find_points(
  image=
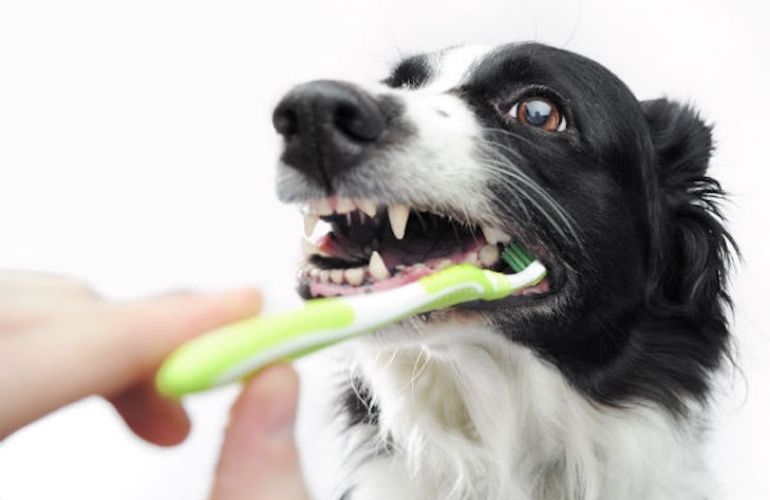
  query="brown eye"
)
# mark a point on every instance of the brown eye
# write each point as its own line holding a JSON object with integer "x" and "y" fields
{"x": 539, "y": 112}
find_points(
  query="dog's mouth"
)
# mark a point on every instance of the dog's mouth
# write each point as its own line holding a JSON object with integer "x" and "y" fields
{"x": 369, "y": 247}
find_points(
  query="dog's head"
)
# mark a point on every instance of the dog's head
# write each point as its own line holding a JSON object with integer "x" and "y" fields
{"x": 458, "y": 151}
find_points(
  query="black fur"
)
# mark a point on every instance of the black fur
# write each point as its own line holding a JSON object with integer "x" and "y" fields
{"x": 411, "y": 72}
{"x": 357, "y": 404}
{"x": 646, "y": 276}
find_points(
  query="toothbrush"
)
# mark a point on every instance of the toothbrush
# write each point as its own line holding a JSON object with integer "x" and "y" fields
{"x": 235, "y": 351}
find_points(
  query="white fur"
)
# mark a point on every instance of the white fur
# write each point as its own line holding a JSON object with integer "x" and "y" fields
{"x": 453, "y": 66}
{"x": 470, "y": 415}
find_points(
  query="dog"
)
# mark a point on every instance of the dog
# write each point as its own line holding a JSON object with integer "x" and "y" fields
{"x": 594, "y": 384}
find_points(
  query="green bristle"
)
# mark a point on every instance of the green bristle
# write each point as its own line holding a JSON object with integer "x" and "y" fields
{"x": 516, "y": 257}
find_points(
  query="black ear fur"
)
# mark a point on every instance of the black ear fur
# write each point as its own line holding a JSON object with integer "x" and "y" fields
{"x": 691, "y": 269}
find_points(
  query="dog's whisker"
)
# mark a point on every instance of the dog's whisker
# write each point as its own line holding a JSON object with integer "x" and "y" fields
{"x": 516, "y": 186}
{"x": 563, "y": 214}
{"x": 505, "y": 168}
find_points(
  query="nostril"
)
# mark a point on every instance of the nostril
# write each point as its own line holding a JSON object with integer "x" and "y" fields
{"x": 285, "y": 121}
{"x": 358, "y": 122}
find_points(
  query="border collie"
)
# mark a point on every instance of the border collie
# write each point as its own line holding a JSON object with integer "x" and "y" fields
{"x": 594, "y": 384}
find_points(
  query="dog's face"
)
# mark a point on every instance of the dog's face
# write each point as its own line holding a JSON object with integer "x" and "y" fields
{"x": 458, "y": 151}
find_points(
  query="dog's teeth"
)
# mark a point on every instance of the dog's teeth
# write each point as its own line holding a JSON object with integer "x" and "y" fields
{"x": 399, "y": 216}
{"x": 368, "y": 207}
{"x": 344, "y": 206}
{"x": 355, "y": 276}
{"x": 377, "y": 267}
{"x": 309, "y": 248}
{"x": 494, "y": 235}
{"x": 315, "y": 273}
{"x": 310, "y": 222}
{"x": 321, "y": 207}
{"x": 324, "y": 276}
{"x": 336, "y": 276}
{"x": 488, "y": 255}
{"x": 472, "y": 258}
{"x": 443, "y": 264}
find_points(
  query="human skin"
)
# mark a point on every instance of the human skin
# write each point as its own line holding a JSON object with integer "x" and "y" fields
{"x": 60, "y": 342}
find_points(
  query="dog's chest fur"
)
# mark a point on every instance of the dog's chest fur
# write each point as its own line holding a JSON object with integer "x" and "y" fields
{"x": 482, "y": 418}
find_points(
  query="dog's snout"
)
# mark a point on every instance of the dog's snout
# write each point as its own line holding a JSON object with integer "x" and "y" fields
{"x": 327, "y": 126}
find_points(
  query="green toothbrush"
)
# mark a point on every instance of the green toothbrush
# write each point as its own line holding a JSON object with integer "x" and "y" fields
{"x": 235, "y": 351}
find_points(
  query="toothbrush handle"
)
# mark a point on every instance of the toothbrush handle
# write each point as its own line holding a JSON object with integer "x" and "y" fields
{"x": 234, "y": 351}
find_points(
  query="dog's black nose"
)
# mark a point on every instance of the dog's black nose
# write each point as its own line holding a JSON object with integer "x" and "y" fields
{"x": 328, "y": 127}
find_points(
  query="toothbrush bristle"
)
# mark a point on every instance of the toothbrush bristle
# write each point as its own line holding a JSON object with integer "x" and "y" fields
{"x": 516, "y": 257}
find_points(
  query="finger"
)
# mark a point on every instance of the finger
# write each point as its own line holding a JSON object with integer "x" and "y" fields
{"x": 151, "y": 330}
{"x": 38, "y": 282}
{"x": 103, "y": 350}
{"x": 259, "y": 460}
{"x": 28, "y": 299}
{"x": 15, "y": 283}
{"x": 152, "y": 417}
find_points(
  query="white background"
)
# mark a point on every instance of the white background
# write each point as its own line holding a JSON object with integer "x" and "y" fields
{"x": 136, "y": 152}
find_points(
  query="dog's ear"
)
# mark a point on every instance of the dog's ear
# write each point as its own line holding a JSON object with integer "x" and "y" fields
{"x": 693, "y": 251}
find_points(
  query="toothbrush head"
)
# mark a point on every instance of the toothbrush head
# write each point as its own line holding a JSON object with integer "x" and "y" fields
{"x": 516, "y": 257}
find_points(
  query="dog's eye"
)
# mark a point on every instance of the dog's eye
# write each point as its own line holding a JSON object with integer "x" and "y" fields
{"x": 539, "y": 112}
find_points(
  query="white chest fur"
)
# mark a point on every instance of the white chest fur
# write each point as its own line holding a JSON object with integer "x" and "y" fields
{"x": 470, "y": 415}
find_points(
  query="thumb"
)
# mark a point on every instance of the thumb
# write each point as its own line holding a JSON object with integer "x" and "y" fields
{"x": 259, "y": 460}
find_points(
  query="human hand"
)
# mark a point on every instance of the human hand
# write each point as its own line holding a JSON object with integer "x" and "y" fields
{"x": 59, "y": 343}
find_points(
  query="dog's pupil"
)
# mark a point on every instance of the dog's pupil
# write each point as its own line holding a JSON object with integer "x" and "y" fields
{"x": 537, "y": 112}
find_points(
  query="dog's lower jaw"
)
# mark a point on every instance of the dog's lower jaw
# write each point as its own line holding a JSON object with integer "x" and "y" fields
{"x": 478, "y": 417}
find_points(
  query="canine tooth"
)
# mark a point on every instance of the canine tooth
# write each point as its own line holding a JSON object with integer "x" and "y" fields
{"x": 324, "y": 276}
{"x": 322, "y": 207}
{"x": 494, "y": 235}
{"x": 443, "y": 264}
{"x": 472, "y": 258}
{"x": 488, "y": 255}
{"x": 336, "y": 276}
{"x": 354, "y": 276}
{"x": 310, "y": 222}
{"x": 315, "y": 273}
{"x": 399, "y": 216}
{"x": 345, "y": 205}
{"x": 368, "y": 207}
{"x": 377, "y": 267}
{"x": 309, "y": 248}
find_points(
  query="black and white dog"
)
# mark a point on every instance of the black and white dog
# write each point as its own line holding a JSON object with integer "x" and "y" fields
{"x": 594, "y": 384}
